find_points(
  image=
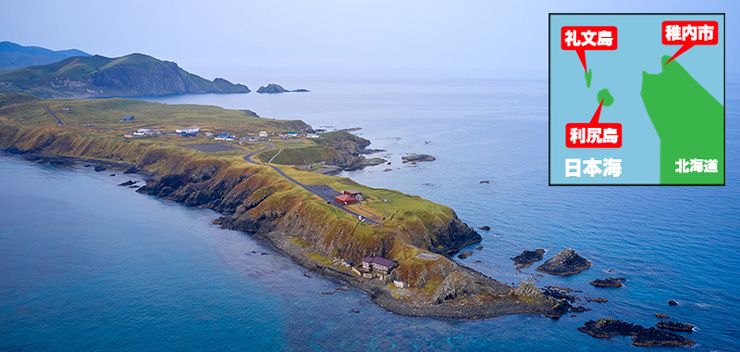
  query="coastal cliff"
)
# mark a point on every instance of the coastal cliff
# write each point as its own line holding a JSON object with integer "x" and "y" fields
{"x": 416, "y": 233}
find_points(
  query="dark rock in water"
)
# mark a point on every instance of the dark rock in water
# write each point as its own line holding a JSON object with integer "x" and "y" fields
{"x": 88, "y": 165}
{"x": 566, "y": 262}
{"x": 273, "y": 88}
{"x": 464, "y": 255}
{"x": 355, "y": 310}
{"x": 597, "y": 300}
{"x": 485, "y": 228}
{"x": 128, "y": 183}
{"x": 485, "y": 181}
{"x": 112, "y": 175}
{"x": 606, "y": 328}
{"x": 304, "y": 274}
{"x": 327, "y": 293}
{"x": 134, "y": 186}
{"x": 557, "y": 293}
{"x": 478, "y": 261}
{"x": 479, "y": 248}
{"x": 342, "y": 288}
{"x": 131, "y": 170}
{"x": 661, "y": 316}
{"x": 608, "y": 282}
{"x": 526, "y": 259}
{"x": 412, "y": 158}
{"x": 675, "y": 326}
{"x": 672, "y": 302}
{"x": 99, "y": 168}
{"x": 656, "y": 337}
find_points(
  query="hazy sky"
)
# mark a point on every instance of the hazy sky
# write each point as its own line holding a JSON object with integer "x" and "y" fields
{"x": 316, "y": 34}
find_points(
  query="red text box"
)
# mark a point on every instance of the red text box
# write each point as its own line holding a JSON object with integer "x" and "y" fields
{"x": 593, "y": 135}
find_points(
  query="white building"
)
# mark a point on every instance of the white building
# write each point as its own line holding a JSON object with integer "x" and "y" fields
{"x": 193, "y": 129}
{"x": 263, "y": 133}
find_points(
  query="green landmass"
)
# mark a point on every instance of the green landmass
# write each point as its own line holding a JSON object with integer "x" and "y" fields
{"x": 98, "y": 76}
{"x": 14, "y": 56}
{"x": 604, "y": 94}
{"x": 589, "y": 74}
{"x": 688, "y": 120}
{"x": 255, "y": 197}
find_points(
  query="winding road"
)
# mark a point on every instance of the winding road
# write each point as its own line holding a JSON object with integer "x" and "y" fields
{"x": 321, "y": 191}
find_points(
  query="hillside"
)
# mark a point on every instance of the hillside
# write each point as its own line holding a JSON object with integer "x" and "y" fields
{"x": 14, "y": 56}
{"x": 98, "y": 76}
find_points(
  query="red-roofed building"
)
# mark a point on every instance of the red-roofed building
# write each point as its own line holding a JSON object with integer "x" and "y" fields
{"x": 354, "y": 194}
{"x": 345, "y": 199}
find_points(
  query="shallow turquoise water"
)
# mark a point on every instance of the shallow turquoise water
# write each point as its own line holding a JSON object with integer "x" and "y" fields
{"x": 88, "y": 265}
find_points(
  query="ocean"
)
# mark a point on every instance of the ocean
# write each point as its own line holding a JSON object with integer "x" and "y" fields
{"x": 87, "y": 265}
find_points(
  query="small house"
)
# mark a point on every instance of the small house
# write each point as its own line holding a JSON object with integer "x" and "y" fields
{"x": 347, "y": 263}
{"x": 209, "y": 134}
{"x": 263, "y": 133}
{"x": 292, "y": 134}
{"x": 127, "y": 118}
{"x": 345, "y": 199}
{"x": 222, "y": 136}
{"x": 312, "y": 135}
{"x": 399, "y": 284}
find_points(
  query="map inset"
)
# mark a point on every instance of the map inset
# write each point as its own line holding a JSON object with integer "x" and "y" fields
{"x": 650, "y": 110}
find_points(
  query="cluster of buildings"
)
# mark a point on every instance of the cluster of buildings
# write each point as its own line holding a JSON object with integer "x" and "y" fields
{"x": 194, "y": 130}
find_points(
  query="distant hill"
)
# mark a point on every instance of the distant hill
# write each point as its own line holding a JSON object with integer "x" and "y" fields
{"x": 14, "y": 56}
{"x": 98, "y": 76}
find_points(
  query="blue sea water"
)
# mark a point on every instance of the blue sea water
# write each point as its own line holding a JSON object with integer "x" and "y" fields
{"x": 86, "y": 265}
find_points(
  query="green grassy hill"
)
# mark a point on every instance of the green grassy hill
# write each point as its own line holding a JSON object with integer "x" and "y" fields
{"x": 98, "y": 76}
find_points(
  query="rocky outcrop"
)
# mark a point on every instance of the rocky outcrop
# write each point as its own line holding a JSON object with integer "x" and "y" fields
{"x": 273, "y": 88}
{"x": 642, "y": 337}
{"x": 527, "y": 258}
{"x": 455, "y": 285}
{"x": 675, "y": 326}
{"x": 608, "y": 282}
{"x": 566, "y": 262}
{"x": 528, "y": 290}
{"x": 656, "y": 337}
{"x": 413, "y": 158}
{"x": 606, "y": 328}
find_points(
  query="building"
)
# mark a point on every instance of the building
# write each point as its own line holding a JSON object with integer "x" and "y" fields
{"x": 209, "y": 134}
{"x": 189, "y": 130}
{"x": 399, "y": 284}
{"x": 127, "y": 118}
{"x": 263, "y": 133}
{"x": 142, "y": 132}
{"x": 312, "y": 135}
{"x": 292, "y": 134}
{"x": 354, "y": 194}
{"x": 379, "y": 264}
{"x": 224, "y": 137}
{"x": 345, "y": 199}
{"x": 347, "y": 263}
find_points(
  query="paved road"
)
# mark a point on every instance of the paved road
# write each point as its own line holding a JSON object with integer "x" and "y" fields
{"x": 53, "y": 114}
{"x": 322, "y": 191}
